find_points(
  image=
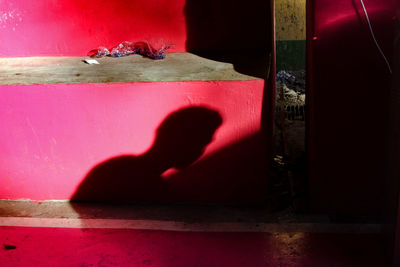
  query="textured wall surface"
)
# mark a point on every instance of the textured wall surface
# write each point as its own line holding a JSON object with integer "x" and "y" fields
{"x": 290, "y": 19}
{"x": 74, "y": 27}
{"x": 57, "y": 133}
{"x": 290, "y": 34}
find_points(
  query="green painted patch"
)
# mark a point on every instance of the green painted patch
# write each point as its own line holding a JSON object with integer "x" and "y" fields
{"x": 291, "y": 55}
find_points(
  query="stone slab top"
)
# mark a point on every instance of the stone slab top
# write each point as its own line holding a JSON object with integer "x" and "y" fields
{"x": 130, "y": 69}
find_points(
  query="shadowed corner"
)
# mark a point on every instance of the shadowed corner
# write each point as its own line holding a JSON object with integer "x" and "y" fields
{"x": 231, "y": 31}
{"x": 180, "y": 140}
{"x": 240, "y": 33}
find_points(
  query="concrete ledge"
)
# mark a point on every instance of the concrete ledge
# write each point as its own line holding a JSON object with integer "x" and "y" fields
{"x": 193, "y": 218}
{"x": 191, "y": 227}
{"x": 193, "y": 213}
{"x": 135, "y": 68}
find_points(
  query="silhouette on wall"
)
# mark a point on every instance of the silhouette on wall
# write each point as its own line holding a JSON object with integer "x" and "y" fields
{"x": 180, "y": 140}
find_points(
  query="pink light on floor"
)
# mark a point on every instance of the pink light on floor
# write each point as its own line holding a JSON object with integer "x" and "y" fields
{"x": 122, "y": 247}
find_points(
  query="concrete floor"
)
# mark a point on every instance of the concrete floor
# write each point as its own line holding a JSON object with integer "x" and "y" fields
{"x": 127, "y": 247}
{"x": 60, "y": 234}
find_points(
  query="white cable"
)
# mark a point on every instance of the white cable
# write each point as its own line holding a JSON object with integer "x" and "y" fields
{"x": 373, "y": 36}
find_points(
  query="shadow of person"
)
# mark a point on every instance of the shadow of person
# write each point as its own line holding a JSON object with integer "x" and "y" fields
{"x": 180, "y": 140}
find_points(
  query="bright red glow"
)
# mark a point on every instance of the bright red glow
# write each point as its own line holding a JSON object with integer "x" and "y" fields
{"x": 56, "y": 133}
{"x": 73, "y": 27}
{"x": 334, "y": 15}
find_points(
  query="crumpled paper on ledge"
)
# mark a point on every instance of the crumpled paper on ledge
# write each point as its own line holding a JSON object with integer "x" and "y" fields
{"x": 126, "y": 48}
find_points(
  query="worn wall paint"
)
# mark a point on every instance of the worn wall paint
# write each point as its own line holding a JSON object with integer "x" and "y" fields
{"x": 290, "y": 19}
{"x": 55, "y": 134}
{"x": 290, "y": 34}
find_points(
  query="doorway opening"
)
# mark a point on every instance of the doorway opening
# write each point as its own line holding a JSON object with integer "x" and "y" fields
{"x": 289, "y": 180}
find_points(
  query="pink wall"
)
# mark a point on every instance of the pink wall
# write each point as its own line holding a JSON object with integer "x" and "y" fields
{"x": 53, "y": 135}
{"x": 348, "y": 100}
{"x": 74, "y": 27}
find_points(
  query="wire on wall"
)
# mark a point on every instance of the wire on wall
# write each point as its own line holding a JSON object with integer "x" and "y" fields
{"x": 373, "y": 36}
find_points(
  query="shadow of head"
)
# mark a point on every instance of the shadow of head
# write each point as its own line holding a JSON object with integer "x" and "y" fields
{"x": 180, "y": 140}
{"x": 184, "y": 134}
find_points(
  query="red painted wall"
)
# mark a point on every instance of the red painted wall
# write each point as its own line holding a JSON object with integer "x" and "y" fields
{"x": 53, "y": 135}
{"x": 349, "y": 85}
{"x": 56, "y": 134}
{"x": 74, "y": 27}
